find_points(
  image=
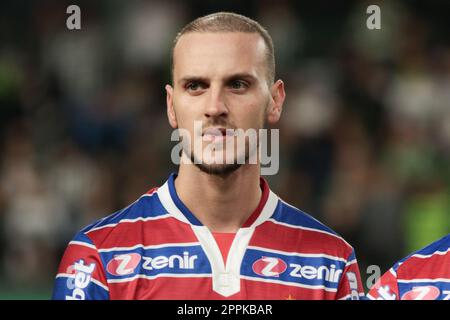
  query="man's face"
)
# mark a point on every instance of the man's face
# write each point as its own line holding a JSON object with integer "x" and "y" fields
{"x": 220, "y": 81}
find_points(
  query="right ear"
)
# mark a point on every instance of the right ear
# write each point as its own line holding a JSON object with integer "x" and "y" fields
{"x": 170, "y": 110}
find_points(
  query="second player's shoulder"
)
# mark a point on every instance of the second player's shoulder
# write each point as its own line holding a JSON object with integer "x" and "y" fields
{"x": 440, "y": 247}
{"x": 424, "y": 274}
{"x": 422, "y": 262}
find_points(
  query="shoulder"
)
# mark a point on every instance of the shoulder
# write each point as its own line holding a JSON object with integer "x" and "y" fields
{"x": 423, "y": 260}
{"x": 145, "y": 208}
{"x": 311, "y": 230}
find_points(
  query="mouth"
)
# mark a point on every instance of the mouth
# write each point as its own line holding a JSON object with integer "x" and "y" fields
{"x": 217, "y": 133}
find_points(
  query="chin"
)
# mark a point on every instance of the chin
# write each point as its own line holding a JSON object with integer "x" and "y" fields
{"x": 222, "y": 170}
{"x": 215, "y": 167}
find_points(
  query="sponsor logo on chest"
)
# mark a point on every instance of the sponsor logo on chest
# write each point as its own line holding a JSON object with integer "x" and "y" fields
{"x": 273, "y": 267}
{"x": 126, "y": 264}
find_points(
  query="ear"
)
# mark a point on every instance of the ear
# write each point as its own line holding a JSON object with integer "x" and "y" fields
{"x": 276, "y": 102}
{"x": 170, "y": 109}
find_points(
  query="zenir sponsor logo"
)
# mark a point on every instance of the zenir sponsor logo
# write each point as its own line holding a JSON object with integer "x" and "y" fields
{"x": 274, "y": 267}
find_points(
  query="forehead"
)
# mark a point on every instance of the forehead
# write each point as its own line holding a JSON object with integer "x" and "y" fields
{"x": 211, "y": 54}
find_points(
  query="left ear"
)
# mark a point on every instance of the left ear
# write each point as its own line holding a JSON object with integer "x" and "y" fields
{"x": 276, "y": 102}
{"x": 170, "y": 109}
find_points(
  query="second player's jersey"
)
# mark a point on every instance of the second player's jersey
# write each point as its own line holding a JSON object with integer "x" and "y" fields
{"x": 423, "y": 275}
{"x": 157, "y": 249}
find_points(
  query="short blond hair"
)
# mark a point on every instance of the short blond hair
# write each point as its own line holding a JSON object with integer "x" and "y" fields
{"x": 231, "y": 22}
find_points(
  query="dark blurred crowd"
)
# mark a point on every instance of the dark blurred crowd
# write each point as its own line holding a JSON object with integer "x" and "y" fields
{"x": 364, "y": 136}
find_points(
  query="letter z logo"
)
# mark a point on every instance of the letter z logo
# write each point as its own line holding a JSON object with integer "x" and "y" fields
{"x": 123, "y": 264}
{"x": 269, "y": 266}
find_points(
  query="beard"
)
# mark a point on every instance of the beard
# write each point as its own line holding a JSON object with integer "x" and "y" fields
{"x": 217, "y": 169}
{"x": 223, "y": 169}
{"x": 226, "y": 161}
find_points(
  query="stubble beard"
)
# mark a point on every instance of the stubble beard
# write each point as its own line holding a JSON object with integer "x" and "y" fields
{"x": 222, "y": 170}
{"x": 216, "y": 169}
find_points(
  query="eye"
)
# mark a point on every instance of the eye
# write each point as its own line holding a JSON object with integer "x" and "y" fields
{"x": 192, "y": 86}
{"x": 195, "y": 86}
{"x": 238, "y": 85}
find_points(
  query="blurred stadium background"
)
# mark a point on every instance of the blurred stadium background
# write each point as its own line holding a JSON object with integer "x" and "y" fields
{"x": 365, "y": 135}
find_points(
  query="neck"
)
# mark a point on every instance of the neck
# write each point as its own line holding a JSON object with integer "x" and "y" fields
{"x": 222, "y": 204}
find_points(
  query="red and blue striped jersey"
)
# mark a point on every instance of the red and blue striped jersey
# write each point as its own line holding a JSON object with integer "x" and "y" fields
{"x": 423, "y": 275}
{"x": 157, "y": 249}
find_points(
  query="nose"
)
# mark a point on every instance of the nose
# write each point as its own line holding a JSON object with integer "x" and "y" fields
{"x": 216, "y": 106}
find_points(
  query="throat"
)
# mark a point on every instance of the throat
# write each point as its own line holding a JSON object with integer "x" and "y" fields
{"x": 222, "y": 205}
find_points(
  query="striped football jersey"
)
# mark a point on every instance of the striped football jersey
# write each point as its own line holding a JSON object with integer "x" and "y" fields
{"x": 423, "y": 275}
{"x": 157, "y": 249}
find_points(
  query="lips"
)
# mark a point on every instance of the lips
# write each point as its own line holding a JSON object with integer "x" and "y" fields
{"x": 215, "y": 133}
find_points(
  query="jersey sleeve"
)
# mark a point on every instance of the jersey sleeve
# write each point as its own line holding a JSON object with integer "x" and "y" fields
{"x": 81, "y": 273}
{"x": 386, "y": 288}
{"x": 350, "y": 285}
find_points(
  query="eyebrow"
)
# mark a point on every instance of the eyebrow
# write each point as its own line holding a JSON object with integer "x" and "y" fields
{"x": 243, "y": 75}
{"x": 192, "y": 79}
